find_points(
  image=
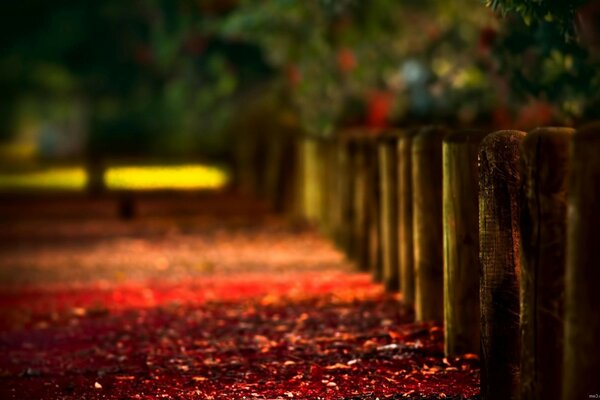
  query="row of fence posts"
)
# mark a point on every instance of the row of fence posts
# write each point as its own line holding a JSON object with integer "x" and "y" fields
{"x": 492, "y": 233}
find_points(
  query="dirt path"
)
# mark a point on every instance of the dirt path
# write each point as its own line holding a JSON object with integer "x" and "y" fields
{"x": 200, "y": 296}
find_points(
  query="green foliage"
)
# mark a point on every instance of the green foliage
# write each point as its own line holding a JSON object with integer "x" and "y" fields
{"x": 341, "y": 56}
{"x": 539, "y": 64}
{"x": 559, "y": 12}
{"x": 151, "y": 77}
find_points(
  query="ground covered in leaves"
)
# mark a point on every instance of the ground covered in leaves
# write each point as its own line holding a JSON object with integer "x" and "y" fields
{"x": 200, "y": 297}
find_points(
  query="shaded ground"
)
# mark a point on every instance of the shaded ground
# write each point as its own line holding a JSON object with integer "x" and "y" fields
{"x": 200, "y": 296}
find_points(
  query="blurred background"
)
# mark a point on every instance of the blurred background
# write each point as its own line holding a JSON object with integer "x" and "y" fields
{"x": 163, "y": 93}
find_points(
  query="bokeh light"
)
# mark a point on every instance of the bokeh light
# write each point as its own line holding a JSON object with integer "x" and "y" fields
{"x": 182, "y": 177}
{"x": 74, "y": 178}
{"x": 54, "y": 179}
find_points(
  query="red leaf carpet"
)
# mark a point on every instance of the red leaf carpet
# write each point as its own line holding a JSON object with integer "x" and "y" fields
{"x": 201, "y": 297}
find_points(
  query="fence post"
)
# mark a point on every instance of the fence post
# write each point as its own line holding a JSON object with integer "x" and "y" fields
{"x": 279, "y": 173}
{"x": 346, "y": 155}
{"x": 582, "y": 301}
{"x": 388, "y": 167}
{"x": 374, "y": 256}
{"x": 499, "y": 187}
{"x": 543, "y": 237}
{"x": 337, "y": 186}
{"x": 461, "y": 241}
{"x": 361, "y": 184}
{"x": 405, "y": 217}
{"x": 312, "y": 195}
{"x": 427, "y": 224}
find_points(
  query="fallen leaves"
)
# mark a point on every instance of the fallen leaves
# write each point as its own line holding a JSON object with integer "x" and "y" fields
{"x": 292, "y": 322}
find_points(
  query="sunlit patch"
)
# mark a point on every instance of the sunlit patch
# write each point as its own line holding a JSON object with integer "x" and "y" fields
{"x": 184, "y": 177}
{"x": 58, "y": 178}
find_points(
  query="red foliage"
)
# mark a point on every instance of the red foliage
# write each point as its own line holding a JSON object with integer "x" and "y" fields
{"x": 143, "y": 55}
{"x": 346, "y": 60}
{"x": 293, "y": 75}
{"x": 379, "y": 108}
{"x": 487, "y": 37}
{"x": 195, "y": 44}
{"x": 283, "y": 330}
{"x": 535, "y": 114}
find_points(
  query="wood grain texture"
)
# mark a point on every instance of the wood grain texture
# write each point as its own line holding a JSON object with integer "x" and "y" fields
{"x": 361, "y": 210}
{"x": 461, "y": 241}
{"x": 582, "y": 301}
{"x": 375, "y": 251}
{"x": 499, "y": 187}
{"x": 387, "y": 156}
{"x": 427, "y": 223}
{"x": 405, "y": 217}
{"x": 543, "y": 252}
{"x": 346, "y": 176}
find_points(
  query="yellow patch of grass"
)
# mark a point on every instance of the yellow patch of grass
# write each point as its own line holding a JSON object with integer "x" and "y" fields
{"x": 182, "y": 177}
{"x": 57, "y": 178}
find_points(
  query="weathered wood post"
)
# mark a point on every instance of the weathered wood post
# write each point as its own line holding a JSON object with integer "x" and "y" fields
{"x": 360, "y": 235}
{"x": 327, "y": 185}
{"x": 461, "y": 241}
{"x": 543, "y": 251}
{"x": 499, "y": 188}
{"x": 427, "y": 223}
{"x": 273, "y": 153}
{"x": 405, "y": 217}
{"x": 336, "y": 189}
{"x": 375, "y": 258}
{"x": 280, "y": 170}
{"x": 388, "y": 167}
{"x": 582, "y": 302}
{"x": 311, "y": 197}
{"x": 346, "y": 182}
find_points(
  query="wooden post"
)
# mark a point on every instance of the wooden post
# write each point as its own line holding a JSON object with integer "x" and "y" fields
{"x": 335, "y": 187}
{"x": 374, "y": 200}
{"x": 311, "y": 198}
{"x": 461, "y": 241}
{"x": 405, "y": 217}
{"x": 543, "y": 249}
{"x": 346, "y": 154}
{"x": 325, "y": 179}
{"x": 289, "y": 166}
{"x": 280, "y": 171}
{"x": 360, "y": 228}
{"x": 582, "y": 301}
{"x": 499, "y": 187}
{"x": 427, "y": 223}
{"x": 388, "y": 167}
{"x": 341, "y": 187}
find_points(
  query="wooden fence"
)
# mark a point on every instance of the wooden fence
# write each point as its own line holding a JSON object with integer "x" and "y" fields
{"x": 491, "y": 233}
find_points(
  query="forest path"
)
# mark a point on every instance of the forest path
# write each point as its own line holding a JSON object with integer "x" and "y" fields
{"x": 204, "y": 296}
